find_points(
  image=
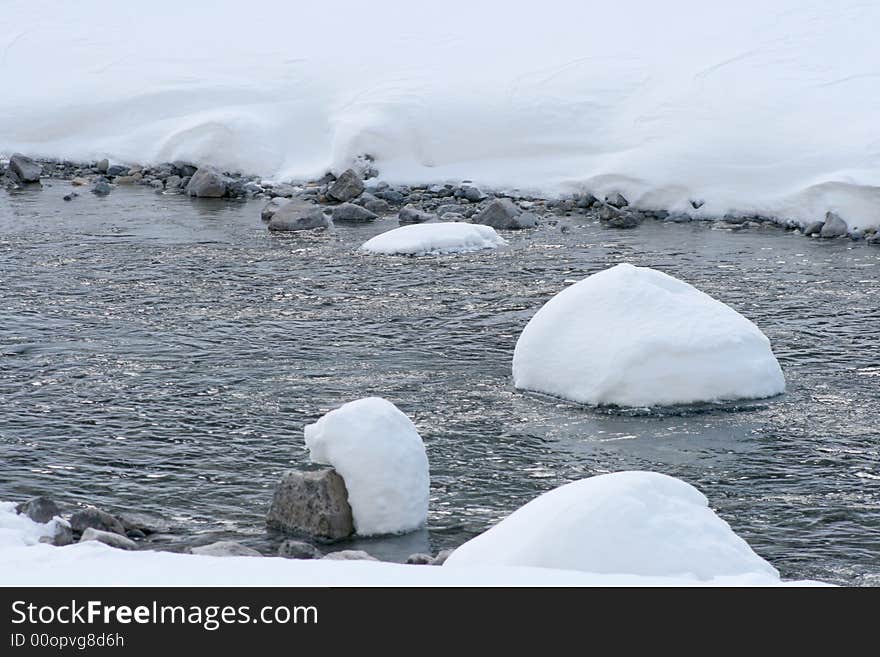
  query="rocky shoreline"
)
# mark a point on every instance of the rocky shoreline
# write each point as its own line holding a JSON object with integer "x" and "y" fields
{"x": 358, "y": 195}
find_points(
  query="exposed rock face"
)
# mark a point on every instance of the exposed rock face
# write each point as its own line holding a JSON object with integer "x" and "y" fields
{"x": 350, "y": 555}
{"x": 412, "y": 215}
{"x": 291, "y": 549}
{"x": 225, "y": 549}
{"x": 93, "y": 518}
{"x": 504, "y": 214}
{"x": 313, "y": 502}
{"x": 834, "y": 226}
{"x": 352, "y": 212}
{"x": 207, "y": 182}
{"x": 616, "y": 200}
{"x": 348, "y": 186}
{"x": 25, "y": 169}
{"x": 39, "y": 509}
{"x": 108, "y": 538}
{"x": 293, "y": 216}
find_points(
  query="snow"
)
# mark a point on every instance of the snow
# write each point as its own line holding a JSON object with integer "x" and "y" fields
{"x": 377, "y": 450}
{"x": 641, "y": 523}
{"x": 23, "y": 562}
{"x": 634, "y": 336}
{"x": 434, "y": 239}
{"x": 664, "y": 102}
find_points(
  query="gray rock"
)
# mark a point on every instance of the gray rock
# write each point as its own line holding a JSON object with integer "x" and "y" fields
{"x": 441, "y": 557}
{"x": 62, "y": 536}
{"x": 873, "y": 239}
{"x": 173, "y": 182}
{"x": 291, "y": 549}
{"x": 617, "y": 200}
{"x": 504, "y": 214}
{"x": 184, "y": 169}
{"x": 39, "y": 509}
{"x": 225, "y": 549}
{"x": 449, "y": 207}
{"x": 94, "y": 518}
{"x": 391, "y": 195}
{"x": 293, "y": 216}
{"x": 313, "y": 502}
{"x": 419, "y": 559}
{"x": 70, "y": 196}
{"x": 108, "y": 538}
{"x": 147, "y": 524}
{"x": 103, "y": 165}
{"x": 272, "y": 207}
{"x": 207, "y": 182}
{"x": 412, "y": 215}
{"x": 101, "y": 188}
{"x": 117, "y": 170}
{"x": 346, "y": 187}
{"x": 350, "y": 555}
{"x": 470, "y": 194}
{"x": 157, "y": 184}
{"x": 451, "y": 217}
{"x": 25, "y": 169}
{"x": 352, "y": 212}
{"x": 284, "y": 190}
{"x": 615, "y": 218}
{"x": 834, "y": 226}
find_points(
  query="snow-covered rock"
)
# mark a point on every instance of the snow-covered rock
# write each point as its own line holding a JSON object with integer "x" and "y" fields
{"x": 380, "y": 455}
{"x": 642, "y": 523}
{"x": 434, "y": 239}
{"x": 634, "y": 336}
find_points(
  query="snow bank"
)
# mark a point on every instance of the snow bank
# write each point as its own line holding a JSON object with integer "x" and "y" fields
{"x": 643, "y": 523}
{"x": 381, "y": 457}
{"x": 435, "y": 239}
{"x": 634, "y": 336}
{"x": 753, "y": 106}
{"x": 93, "y": 564}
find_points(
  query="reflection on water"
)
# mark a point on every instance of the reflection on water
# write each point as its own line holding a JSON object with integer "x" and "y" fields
{"x": 163, "y": 354}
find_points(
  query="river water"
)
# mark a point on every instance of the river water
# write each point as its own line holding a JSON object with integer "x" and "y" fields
{"x": 162, "y": 354}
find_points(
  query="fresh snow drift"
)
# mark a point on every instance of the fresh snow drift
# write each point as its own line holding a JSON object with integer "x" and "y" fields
{"x": 378, "y": 452}
{"x": 776, "y": 116}
{"x": 434, "y": 239}
{"x": 634, "y": 336}
{"x": 644, "y": 523}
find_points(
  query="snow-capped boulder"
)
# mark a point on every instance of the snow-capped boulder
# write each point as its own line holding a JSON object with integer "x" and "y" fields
{"x": 634, "y": 336}
{"x": 640, "y": 523}
{"x": 434, "y": 239}
{"x": 380, "y": 455}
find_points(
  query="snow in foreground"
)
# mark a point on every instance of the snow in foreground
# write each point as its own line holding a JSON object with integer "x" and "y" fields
{"x": 434, "y": 239}
{"x": 634, "y": 336}
{"x": 664, "y": 102}
{"x": 643, "y": 523}
{"x": 378, "y": 452}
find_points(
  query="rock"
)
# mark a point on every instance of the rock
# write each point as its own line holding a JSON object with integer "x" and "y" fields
{"x": 62, "y": 536}
{"x": 130, "y": 180}
{"x": 615, "y": 218}
{"x": 157, "y": 184}
{"x": 313, "y": 502}
{"x": 448, "y": 217}
{"x": 272, "y": 207}
{"x": 616, "y": 200}
{"x": 350, "y": 555}
{"x": 412, "y": 215}
{"x": 225, "y": 549}
{"x": 79, "y": 182}
{"x": 207, "y": 182}
{"x": 291, "y": 549}
{"x": 352, "y": 212}
{"x": 117, "y": 170}
{"x": 94, "y": 518}
{"x": 284, "y": 190}
{"x": 873, "y": 239}
{"x": 391, "y": 196}
{"x": 184, "y": 169}
{"x": 25, "y": 169}
{"x": 441, "y": 557}
{"x": 39, "y": 509}
{"x": 293, "y": 216}
{"x": 70, "y": 196}
{"x": 146, "y": 524}
{"x": 173, "y": 182}
{"x": 348, "y": 186}
{"x": 419, "y": 559}
{"x": 373, "y": 204}
{"x": 101, "y": 188}
{"x": 108, "y": 538}
{"x": 503, "y": 213}
{"x": 834, "y": 226}
{"x": 103, "y": 165}
{"x": 470, "y": 194}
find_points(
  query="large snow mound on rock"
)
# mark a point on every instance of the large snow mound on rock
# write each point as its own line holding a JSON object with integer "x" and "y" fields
{"x": 634, "y": 336}
{"x": 380, "y": 455}
{"x": 642, "y": 523}
{"x": 434, "y": 239}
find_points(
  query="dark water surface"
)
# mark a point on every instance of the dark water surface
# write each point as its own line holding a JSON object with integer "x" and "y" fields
{"x": 163, "y": 354}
